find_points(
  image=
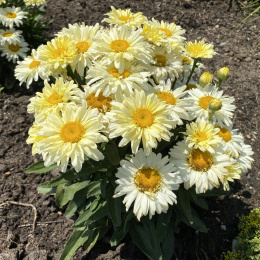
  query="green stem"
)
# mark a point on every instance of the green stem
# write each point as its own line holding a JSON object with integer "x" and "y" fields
{"x": 219, "y": 83}
{"x": 192, "y": 70}
{"x": 211, "y": 113}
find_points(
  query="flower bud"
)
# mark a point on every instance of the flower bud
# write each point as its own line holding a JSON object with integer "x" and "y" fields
{"x": 223, "y": 73}
{"x": 205, "y": 78}
{"x": 215, "y": 104}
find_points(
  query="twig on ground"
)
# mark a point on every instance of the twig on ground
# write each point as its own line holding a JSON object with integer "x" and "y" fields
{"x": 41, "y": 224}
{"x": 25, "y": 205}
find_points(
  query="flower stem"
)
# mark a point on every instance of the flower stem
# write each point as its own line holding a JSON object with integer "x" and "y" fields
{"x": 219, "y": 83}
{"x": 192, "y": 70}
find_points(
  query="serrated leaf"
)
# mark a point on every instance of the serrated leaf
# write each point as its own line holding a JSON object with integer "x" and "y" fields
{"x": 40, "y": 168}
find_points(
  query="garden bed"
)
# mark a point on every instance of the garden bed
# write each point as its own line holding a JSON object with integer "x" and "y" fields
{"x": 207, "y": 20}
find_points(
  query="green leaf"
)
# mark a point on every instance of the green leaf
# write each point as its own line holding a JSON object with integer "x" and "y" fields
{"x": 183, "y": 196}
{"x": 92, "y": 214}
{"x": 40, "y": 168}
{"x": 162, "y": 224}
{"x": 144, "y": 237}
{"x": 94, "y": 189}
{"x": 111, "y": 153}
{"x": 77, "y": 239}
{"x": 168, "y": 242}
{"x": 198, "y": 200}
{"x": 66, "y": 193}
{"x": 114, "y": 206}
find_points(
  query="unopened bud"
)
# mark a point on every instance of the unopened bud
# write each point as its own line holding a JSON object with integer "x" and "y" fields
{"x": 205, "y": 78}
{"x": 223, "y": 73}
{"x": 215, "y": 104}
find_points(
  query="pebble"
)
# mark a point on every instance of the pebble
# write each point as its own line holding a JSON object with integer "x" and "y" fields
{"x": 223, "y": 227}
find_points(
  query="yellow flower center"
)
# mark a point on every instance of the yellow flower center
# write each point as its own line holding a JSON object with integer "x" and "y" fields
{"x": 72, "y": 132}
{"x": 34, "y": 64}
{"x": 59, "y": 53}
{"x": 167, "y": 31}
{"x": 190, "y": 86}
{"x": 14, "y": 48}
{"x": 143, "y": 117}
{"x": 225, "y": 134}
{"x": 11, "y": 15}
{"x": 186, "y": 60}
{"x": 201, "y": 136}
{"x": 82, "y": 46}
{"x": 167, "y": 97}
{"x": 148, "y": 179}
{"x": 125, "y": 18}
{"x": 54, "y": 99}
{"x": 8, "y": 34}
{"x": 114, "y": 72}
{"x": 100, "y": 102}
{"x": 160, "y": 60}
{"x": 200, "y": 161}
{"x": 204, "y": 102}
{"x": 119, "y": 45}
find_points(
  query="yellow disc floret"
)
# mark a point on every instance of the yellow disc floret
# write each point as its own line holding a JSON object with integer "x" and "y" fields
{"x": 11, "y": 15}
{"x": 125, "y": 18}
{"x": 54, "y": 99}
{"x": 82, "y": 46}
{"x": 8, "y": 34}
{"x": 14, "y": 48}
{"x": 204, "y": 102}
{"x": 225, "y": 134}
{"x": 119, "y": 45}
{"x": 200, "y": 161}
{"x": 34, "y": 64}
{"x": 100, "y": 102}
{"x": 143, "y": 117}
{"x": 161, "y": 60}
{"x": 114, "y": 72}
{"x": 167, "y": 97}
{"x": 167, "y": 31}
{"x": 72, "y": 132}
{"x": 201, "y": 136}
{"x": 148, "y": 180}
{"x": 59, "y": 53}
{"x": 186, "y": 60}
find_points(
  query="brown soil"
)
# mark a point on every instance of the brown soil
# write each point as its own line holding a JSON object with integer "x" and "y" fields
{"x": 201, "y": 19}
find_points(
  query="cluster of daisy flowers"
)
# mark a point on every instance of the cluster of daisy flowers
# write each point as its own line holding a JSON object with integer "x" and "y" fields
{"x": 140, "y": 90}
{"x": 12, "y": 43}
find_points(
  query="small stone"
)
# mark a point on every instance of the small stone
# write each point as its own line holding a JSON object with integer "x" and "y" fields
{"x": 7, "y": 173}
{"x": 223, "y": 227}
{"x": 60, "y": 213}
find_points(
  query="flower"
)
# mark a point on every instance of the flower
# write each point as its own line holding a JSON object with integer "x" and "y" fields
{"x": 34, "y": 2}
{"x": 205, "y": 79}
{"x": 52, "y": 98}
{"x": 200, "y": 98}
{"x": 82, "y": 36}
{"x": 199, "y": 50}
{"x": 12, "y": 15}
{"x": 107, "y": 78}
{"x": 202, "y": 169}
{"x": 173, "y": 98}
{"x": 147, "y": 181}
{"x": 12, "y": 52}
{"x": 202, "y": 135}
{"x": 165, "y": 65}
{"x": 223, "y": 73}
{"x": 244, "y": 158}
{"x": 234, "y": 172}
{"x": 10, "y": 36}
{"x": 58, "y": 53}
{"x": 30, "y": 69}
{"x": 71, "y": 135}
{"x": 122, "y": 17}
{"x": 123, "y": 44}
{"x": 140, "y": 118}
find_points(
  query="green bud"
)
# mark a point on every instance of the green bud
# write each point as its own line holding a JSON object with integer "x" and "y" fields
{"x": 205, "y": 78}
{"x": 223, "y": 73}
{"x": 215, "y": 104}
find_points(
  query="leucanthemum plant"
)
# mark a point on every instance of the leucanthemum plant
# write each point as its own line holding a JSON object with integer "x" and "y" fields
{"x": 21, "y": 31}
{"x": 139, "y": 133}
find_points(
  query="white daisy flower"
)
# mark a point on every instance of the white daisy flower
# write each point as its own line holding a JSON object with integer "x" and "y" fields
{"x": 200, "y": 98}
{"x": 82, "y": 37}
{"x": 122, "y": 17}
{"x": 13, "y": 52}
{"x": 34, "y": 2}
{"x": 234, "y": 173}
{"x": 107, "y": 78}
{"x": 147, "y": 181}
{"x": 172, "y": 31}
{"x": 2, "y": 2}
{"x": 202, "y": 135}
{"x": 71, "y": 135}
{"x": 173, "y": 98}
{"x": 165, "y": 65}
{"x": 10, "y": 36}
{"x": 52, "y": 98}
{"x": 231, "y": 139}
{"x": 140, "y": 118}
{"x": 244, "y": 159}
{"x": 123, "y": 44}
{"x": 12, "y": 15}
{"x": 30, "y": 69}
{"x": 202, "y": 169}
